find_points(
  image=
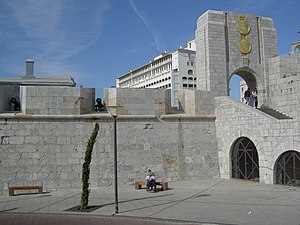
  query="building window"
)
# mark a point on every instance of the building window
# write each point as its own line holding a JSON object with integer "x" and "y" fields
{"x": 192, "y": 63}
{"x": 184, "y": 78}
{"x": 188, "y": 63}
{"x": 190, "y": 78}
{"x": 191, "y": 85}
{"x": 190, "y": 72}
{"x": 184, "y": 85}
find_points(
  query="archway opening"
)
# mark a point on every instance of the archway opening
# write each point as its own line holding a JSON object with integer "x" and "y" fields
{"x": 239, "y": 82}
{"x": 236, "y": 87}
{"x": 287, "y": 169}
{"x": 244, "y": 160}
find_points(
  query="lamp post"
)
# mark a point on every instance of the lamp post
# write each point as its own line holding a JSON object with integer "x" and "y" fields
{"x": 116, "y": 164}
{"x": 114, "y": 115}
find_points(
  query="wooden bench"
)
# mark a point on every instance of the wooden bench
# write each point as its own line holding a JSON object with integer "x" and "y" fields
{"x": 11, "y": 190}
{"x": 141, "y": 184}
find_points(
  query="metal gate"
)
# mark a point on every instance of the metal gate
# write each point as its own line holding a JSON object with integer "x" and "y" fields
{"x": 244, "y": 160}
{"x": 287, "y": 169}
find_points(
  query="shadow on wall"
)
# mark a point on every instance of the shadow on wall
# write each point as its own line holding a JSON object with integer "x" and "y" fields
{"x": 10, "y": 98}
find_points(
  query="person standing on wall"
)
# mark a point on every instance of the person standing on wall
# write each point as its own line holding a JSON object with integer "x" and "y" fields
{"x": 247, "y": 96}
{"x": 254, "y": 96}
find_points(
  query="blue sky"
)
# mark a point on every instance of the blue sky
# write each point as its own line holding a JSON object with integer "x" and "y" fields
{"x": 95, "y": 41}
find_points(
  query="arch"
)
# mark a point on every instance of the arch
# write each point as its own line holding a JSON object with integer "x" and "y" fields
{"x": 228, "y": 141}
{"x": 242, "y": 79}
{"x": 249, "y": 76}
{"x": 244, "y": 160}
{"x": 287, "y": 169}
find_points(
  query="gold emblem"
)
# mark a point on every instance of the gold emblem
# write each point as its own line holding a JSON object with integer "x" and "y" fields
{"x": 244, "y": 45}
{"x": 243, "y": 26}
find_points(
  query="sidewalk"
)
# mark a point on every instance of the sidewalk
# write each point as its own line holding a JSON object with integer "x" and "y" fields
{"x": 192, "y": 202}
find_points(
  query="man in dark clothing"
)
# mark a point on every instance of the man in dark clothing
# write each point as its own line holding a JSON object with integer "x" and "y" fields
{"x": 247, "y": 96}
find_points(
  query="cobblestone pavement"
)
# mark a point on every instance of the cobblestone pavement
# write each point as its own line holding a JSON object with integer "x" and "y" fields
{"x": 193, "y": 202}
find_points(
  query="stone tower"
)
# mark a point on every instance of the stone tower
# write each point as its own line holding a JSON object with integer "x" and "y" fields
{"x": 233, "y": 43}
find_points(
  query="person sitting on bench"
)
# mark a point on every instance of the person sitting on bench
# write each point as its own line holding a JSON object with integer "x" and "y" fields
{"x": 150, "y": 181}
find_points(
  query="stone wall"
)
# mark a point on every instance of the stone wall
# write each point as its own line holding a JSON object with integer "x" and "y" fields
{"x": 219, "y": 57}
{"x": 49, "y": 150}
{"x": 128, "y": 101}
{"x": 198, "y": 102}
{"x": 284, "y": 88}
{"x": 49, "y": 100}
{"x": 271, "y": 136}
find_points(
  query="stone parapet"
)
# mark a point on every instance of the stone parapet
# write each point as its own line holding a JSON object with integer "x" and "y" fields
{"x": 122, "y": 101}
{"x": 57, "y": 100}
{"x": 198, "y": 102}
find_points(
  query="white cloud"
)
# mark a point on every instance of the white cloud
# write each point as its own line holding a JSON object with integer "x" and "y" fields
{"x": 50, "y": 32}
{"x": 58, "y": 28}
{"x": 37, "y": 18}
{"x": 155, "y": 33}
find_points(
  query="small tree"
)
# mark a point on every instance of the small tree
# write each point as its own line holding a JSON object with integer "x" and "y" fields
{"x": 86, "y": 169}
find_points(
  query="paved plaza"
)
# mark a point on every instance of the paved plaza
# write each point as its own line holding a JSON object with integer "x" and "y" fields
{"x": 192, "y": 202}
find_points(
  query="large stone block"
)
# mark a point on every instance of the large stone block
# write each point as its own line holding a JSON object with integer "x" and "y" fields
{"x": 57, "y": 100}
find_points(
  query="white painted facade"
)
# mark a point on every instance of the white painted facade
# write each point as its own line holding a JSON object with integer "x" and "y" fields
{"x": 173, "y": 71}
{"x": 243, "y": 88}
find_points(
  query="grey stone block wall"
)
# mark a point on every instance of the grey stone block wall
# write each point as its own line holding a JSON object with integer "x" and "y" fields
{"x": 50, "y": 151}
{"x": 122, "y": 101}
{"x": 218, "y": 55}
{"x": 47, "y": 100}
{"x": 284, "y": 88}
{"x": 271, "y": 136}
{"x": 210, "y": 48}
{"x": 196, "y": 102}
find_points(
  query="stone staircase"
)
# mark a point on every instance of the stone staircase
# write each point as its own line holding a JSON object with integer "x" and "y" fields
{"x": 274, "y": 113}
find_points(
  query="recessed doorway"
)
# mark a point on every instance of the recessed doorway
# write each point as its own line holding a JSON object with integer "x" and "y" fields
{"x": 244, "y": 160}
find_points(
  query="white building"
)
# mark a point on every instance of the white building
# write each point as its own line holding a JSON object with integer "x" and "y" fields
{"x": 173, "y": 71}
{"x": 243, "y": 88}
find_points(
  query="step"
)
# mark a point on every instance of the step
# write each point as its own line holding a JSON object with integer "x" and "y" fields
{"x": 273, "y": 113}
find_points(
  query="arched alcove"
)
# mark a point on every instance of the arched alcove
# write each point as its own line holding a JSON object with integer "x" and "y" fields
{"x": 244, "y": 160}
{"x": 287, "y": 169}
